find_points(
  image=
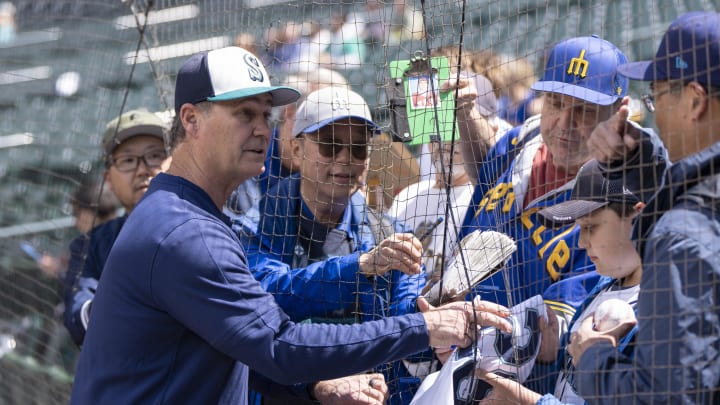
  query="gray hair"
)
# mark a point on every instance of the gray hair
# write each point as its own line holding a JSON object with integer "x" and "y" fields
{"x": 177, "y": 130}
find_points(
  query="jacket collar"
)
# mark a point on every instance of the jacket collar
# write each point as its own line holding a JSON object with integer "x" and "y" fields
{"x": 278, "y": 228}
{"x": 678, "y": 179}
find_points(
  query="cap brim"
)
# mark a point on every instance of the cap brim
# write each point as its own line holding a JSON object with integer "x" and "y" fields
{"x": 281, "y": 95}
{"x": 572, "y": 90}
{"x": 124, "y": 135}
{"x": 567, "y": 212}
{"x": 638, "y": 70}
{"x": 314, "y": 128}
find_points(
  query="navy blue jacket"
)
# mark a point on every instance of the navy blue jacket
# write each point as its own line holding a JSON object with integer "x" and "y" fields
{"x": 678, "y": 339}
{"x": 178, "y": 307}
{"x": 87, "y": 259}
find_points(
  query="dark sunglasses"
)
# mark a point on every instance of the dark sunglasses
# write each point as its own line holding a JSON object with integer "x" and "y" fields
{"x": 329, "y": 148}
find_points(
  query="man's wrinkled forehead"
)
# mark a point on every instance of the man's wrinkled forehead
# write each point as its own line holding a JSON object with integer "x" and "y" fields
{"x": 339, "y": 131}
{"x": 566, "y": 101}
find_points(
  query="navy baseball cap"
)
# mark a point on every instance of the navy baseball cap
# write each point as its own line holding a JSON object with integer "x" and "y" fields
{"x": 226, "y": 74}
{"x": 585, "y": 68}
{"x": 592, "y": 190}
{"x": 689, "y": 50}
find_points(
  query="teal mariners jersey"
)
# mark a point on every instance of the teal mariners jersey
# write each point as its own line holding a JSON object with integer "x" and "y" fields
{"x": 543, "y": 255}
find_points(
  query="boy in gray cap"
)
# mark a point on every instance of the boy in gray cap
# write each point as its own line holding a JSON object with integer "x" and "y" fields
{"x": 134, "y": 152}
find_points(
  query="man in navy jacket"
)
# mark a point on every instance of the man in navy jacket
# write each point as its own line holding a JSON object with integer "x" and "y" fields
{"x": 178, "y": 307}
{"x": 678, "y": 339}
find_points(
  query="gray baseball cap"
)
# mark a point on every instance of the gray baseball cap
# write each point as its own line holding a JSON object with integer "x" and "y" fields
{"x": 327, "y": 105}
{"x": 130, "y": 124}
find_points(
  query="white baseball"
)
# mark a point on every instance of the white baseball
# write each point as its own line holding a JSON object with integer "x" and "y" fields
{"x": 611, "y": 313}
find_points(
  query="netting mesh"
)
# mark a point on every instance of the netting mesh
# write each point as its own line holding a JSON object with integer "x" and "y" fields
{"x": 70, "y": 66}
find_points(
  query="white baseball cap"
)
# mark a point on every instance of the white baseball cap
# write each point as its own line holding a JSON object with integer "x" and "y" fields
{"x": 226, "y": 74}
{"x": 329, "y": 104}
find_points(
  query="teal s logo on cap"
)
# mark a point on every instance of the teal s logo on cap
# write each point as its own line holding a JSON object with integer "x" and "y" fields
{"x": 579, "y": 66}
{"x": 253, "y": 65}
{"x": 213, "y": 76}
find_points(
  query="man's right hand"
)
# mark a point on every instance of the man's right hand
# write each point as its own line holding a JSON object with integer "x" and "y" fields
{"x": 455, "y": 324}
{"x": 401, "y": 251}
{"x": 614, "y": 139}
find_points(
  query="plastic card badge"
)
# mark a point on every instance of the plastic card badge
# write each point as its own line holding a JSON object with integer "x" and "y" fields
{"x": 418, "y": 109}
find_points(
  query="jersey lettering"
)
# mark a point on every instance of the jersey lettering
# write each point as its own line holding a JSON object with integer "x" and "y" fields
{"x": 558, "y": 259}
{"x": 560, "y": 255}
{"x": 493, "y": 197}
{"x": 519, "y": 355}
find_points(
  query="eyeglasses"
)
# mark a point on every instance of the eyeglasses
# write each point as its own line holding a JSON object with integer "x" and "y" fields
{"x": 129, "y": 163}
{"x": 649, "y": 99}
{"x": 329, "y": 148}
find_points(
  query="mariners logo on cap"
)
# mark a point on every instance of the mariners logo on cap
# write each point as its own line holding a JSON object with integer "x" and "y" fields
{"x": 340, "y": 102}
{"x": 579, "y": 66}
{"x": 254, "y": 68}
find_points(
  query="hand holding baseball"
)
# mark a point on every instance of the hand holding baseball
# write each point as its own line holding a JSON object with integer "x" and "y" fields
{"x": 587, "y": 336}
{"x": 611, "y": 313}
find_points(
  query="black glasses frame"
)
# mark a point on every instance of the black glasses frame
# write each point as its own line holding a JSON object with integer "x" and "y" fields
{"x": 130, "y": 163}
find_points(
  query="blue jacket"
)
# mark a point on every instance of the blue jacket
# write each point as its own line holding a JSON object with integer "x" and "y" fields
{"x": 325, "y": 288}
{"x": 332, "y": 288}
{"x": 178, "y": 307}
{"x": 678, "y": 339}
{"x": 87, "y": 259}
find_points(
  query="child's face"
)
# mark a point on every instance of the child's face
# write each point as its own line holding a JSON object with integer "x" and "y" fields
{"x": 606, "y": 238}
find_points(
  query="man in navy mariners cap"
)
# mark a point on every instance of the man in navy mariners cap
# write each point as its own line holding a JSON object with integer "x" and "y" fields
{"x": 676, "y": 357}
{"x": 178, "y": 309}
